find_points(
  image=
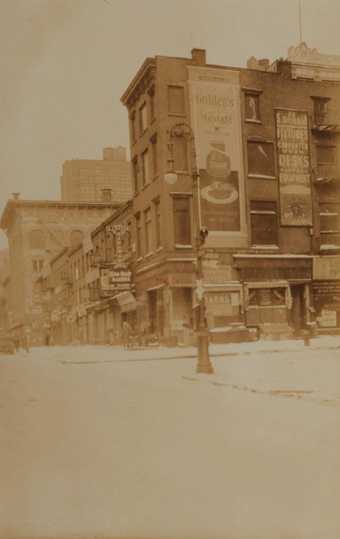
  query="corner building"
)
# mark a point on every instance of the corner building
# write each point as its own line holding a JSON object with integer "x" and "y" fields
{"x": 266, "y": 141}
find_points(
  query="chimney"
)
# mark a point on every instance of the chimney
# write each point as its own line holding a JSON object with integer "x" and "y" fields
{"x": 199, "y": 56}
{"x": 15, "y": 196}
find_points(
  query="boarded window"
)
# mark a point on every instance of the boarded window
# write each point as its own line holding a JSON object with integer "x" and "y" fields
{"x": 264, "y": 225}
{"x": 176, "y": 102}
{"x": 182, "y": 220}
{"x": 261, "y": 161}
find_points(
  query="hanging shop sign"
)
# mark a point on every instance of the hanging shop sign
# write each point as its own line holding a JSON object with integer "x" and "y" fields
{"x": 292, "y": 136}
{"x": 216, "y": 120}
{"x": 114, "y": 280}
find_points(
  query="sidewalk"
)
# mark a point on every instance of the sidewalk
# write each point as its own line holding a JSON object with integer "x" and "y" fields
{"x": 118, "y": 353}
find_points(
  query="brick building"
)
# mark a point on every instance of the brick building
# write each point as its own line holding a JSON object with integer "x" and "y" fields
{"x": 267, "y": 146}
{"x": 87, "y": 291}
{"x": 36, "y": 231}
{"x": 90, "y": 180}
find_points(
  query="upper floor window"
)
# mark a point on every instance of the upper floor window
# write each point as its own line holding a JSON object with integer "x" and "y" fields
{"x": 138, "y": 235}
{"x": 320, "y": 110}
{"x": 264, "y": 223}
{"x": 37, "y": 239}
{"x": 154, "y": 147}
{"x": 37, "y": 265}
{"x": 133, "y": 126}
{"x": 106, "y": 195}
{"x": 148, "y": 230}
{"x": 180, "y": 154}
{"x": 261, "y": 161}
{"x": 151, "y": 93}
{"x": 252, "y": 107}
{"x": 145, "y": 168}
{"x": 135, "y": 174}
{"x": 176, "y": 100}
{"x": 182, "y": 220}
{"x": 157, "y": 213}
{"x": 143, "y": 118}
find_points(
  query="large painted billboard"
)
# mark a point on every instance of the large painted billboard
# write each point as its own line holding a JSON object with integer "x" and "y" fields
{"x": 216, "y": 121}
{"x": 294, "y": 167}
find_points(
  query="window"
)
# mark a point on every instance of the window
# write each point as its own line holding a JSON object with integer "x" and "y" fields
{"x": 128, "y": 236}
{"x": 157, "y": 212}
{"x": 263, "y": 217}
{"x": 154, "y": 155}
{"x": 320, "y": 110}
{"x": 145, "y": 168}
{"x": 138, "y": 235}
{"x": 261, "y": 162}
{"x": 180, "y": 150}
{"x": 135, "y": 174}
{"x": 106, "y": 195}
{"x": 182, "y": 220}
{"x": 267, "y": 297}
{"x": 143, "y": 118}
{"x": 148, "y": 230}
{"x": 329, "y": 218}
{"x": 133, "y": 127}
{"x": 151, "y": 93}
{"x": 37, "y": 239}
{"x": 176, "y": 102}
{"x": 37, "y": 265}
{"x": 326, "y": 161}
{"x": 252, "y": 107}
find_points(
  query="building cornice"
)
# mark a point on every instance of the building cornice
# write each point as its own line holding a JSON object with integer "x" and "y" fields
{"x": 140, "y": 82}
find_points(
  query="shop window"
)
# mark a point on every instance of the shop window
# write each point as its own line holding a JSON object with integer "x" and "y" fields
{"x": 138, "y": 235}
{"x": 176, "y": 100}
{"x": 261, "y": 161}
{"x": 157, "y": 212}
{"x": 264, "y": 223}
{"x": 145, "y": 168}
{"x": 37, "y": 239}
{"x": 252, "y": 107}
{"x": 267, "y": 297}
{"x": 148, "y": 230}
{"x": 180, "y": 154}
{"x": 182, "y": 220}
{"x": 143, "y": 118}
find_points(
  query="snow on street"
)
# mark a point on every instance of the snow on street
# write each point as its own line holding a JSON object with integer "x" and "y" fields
{"x": 98, "y": 440}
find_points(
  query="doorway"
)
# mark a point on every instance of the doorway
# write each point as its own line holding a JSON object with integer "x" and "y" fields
{"x": 297, "y": 313}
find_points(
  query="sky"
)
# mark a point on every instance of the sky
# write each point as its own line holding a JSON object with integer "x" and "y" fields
{"x": 64, "y": 65}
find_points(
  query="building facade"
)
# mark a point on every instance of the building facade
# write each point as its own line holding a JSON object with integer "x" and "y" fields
{"x": 265, "y": 140}
{"x": 36, "y": 231}
{"x": 105, "y": 180}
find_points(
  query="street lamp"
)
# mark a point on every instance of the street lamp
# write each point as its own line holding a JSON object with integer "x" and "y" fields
{"x": 184, "y": 130}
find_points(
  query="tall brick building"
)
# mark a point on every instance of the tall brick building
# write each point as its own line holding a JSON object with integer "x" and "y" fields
{"x": 90, "y": 180}
{"x": 37, "y": 230}
{"x": 267, "y": 145}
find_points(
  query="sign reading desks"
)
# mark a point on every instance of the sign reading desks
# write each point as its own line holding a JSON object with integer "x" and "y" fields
{"x": 114, "y": 280}
{"x": 292, "y": 135}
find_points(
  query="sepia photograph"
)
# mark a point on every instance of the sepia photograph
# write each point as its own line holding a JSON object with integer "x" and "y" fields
{"x": 169, "y": 269}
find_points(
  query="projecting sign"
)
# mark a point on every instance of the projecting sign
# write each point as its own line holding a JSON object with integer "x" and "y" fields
{"x": 292, "y": 137}
{"x": 114, "y": 280}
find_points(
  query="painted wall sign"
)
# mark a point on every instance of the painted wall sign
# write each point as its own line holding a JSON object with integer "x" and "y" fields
{"x": 216, "y": 120}
{"x": 292, "y": 137}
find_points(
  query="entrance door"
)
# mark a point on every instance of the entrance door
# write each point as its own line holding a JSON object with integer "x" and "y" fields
{"x": 297, "y": 315}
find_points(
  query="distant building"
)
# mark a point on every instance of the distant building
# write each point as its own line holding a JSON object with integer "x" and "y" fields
{"x": 36, "y": 231}
{"x": 90, "y": 180}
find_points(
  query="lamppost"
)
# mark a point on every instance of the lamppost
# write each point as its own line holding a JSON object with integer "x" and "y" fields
{"x": 178, "y": 131}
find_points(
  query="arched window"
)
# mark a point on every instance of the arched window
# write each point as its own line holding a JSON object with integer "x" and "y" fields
{"x": 37, "y": 239}
{"x": 76, "y": 237}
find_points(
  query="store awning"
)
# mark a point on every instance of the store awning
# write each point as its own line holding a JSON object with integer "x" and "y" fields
{"x": 126, "y": 301}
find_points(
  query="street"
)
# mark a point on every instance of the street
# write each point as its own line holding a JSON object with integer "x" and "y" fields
{"x": 104, "y": 442}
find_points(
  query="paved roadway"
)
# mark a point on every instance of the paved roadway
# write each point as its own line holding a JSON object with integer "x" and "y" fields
{"x": 101, "y": 442}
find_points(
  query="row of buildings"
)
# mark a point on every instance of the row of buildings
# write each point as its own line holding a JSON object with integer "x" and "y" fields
{"x": 265, "y": 142}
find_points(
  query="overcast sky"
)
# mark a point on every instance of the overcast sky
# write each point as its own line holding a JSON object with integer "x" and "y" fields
{"x": 65, "y": 63}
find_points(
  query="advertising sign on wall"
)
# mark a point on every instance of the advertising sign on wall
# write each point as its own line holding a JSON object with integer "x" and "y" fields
{"x": 114, "y": 280}
{"x": 216, "y": 120}
{"x": 294, "y": 167}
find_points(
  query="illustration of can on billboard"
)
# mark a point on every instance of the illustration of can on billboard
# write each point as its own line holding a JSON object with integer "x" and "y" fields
{"x": 220, "y": 191}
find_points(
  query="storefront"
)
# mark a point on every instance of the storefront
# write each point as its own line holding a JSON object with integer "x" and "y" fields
{"x": 326, "y": 293}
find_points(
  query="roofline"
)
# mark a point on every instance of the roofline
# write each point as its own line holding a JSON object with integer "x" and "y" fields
{"x": 146, "y": 65}
{"x": 14, "y": 204}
